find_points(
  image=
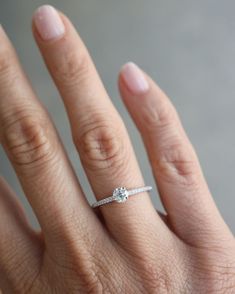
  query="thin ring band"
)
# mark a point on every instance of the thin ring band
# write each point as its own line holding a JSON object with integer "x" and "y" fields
{"x": 121, "y": 195}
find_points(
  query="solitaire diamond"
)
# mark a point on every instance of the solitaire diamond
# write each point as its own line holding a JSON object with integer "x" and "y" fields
{"x": 120, "y": 194}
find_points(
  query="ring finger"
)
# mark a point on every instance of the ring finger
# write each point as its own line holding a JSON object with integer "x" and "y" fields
{"x": 98, "y": 131}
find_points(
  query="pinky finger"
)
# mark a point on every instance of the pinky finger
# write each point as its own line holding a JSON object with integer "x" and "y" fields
{"x": 191, "y": 210}
{"x": 20, "y": 248}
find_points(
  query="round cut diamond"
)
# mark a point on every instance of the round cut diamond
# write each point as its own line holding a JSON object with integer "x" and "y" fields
{"x": 120, "y": 194}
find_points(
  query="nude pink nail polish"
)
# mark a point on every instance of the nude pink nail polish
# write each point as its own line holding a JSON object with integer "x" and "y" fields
{"x": 134, "y": 78}
{"x": 48, "y": 23}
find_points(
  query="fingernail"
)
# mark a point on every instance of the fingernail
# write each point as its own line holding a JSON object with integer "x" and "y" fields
{"x": 134, "y": 78}
{"x": 48, "y": 23}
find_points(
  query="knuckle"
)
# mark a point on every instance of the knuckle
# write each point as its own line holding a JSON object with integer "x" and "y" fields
{"x": 156, "y": 280}
{"x": 177, "y": 163}
{"x": 218, "y": 278}
{"x": 159, "y": 116}
{"x": 157, "y": 275}
{"x": 17, "y": 272}
{"x": 87, "y": 272}
{"x": 73, "y": 67}
{"x": 222, "y": 278}
{"x": 95, "y": 281}
{"x": 89, "y": 279}
{"x": 101, "y": 275}
{"x": 27, "y": 139}
{"x": 101, "y": 146}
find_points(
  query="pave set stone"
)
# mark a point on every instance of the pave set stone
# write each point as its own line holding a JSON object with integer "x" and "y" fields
{"x": 120, "y": 194}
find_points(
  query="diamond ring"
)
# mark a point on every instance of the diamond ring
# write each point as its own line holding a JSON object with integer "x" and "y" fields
{"x": 121, "y": 195}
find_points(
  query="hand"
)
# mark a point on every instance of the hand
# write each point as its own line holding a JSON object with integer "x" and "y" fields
{"x": 123, "y": 248}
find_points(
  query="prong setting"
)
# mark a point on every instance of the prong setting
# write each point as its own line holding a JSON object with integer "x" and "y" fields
{"x": 120, "y": 194}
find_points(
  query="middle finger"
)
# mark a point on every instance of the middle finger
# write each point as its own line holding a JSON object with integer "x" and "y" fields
{"x": 37, "y": 155}
{"x": 98, "y": 131}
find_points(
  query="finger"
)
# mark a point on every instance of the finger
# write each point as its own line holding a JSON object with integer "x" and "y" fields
{"x": 163, "y": 216}
{"x": 182, "y": 188}
{"x": 20, "y": 248}
{"x": 98, "y": 132}
{"x": 32, "y": 145}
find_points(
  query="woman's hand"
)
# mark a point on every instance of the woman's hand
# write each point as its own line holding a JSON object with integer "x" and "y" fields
{"x": 123, "y": 248}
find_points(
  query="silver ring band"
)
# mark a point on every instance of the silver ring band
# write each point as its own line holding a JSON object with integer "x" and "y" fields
{"x": 121, "y": 195}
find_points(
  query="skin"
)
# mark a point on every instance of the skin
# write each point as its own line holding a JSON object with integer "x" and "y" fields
{"x": 81, "y": 250}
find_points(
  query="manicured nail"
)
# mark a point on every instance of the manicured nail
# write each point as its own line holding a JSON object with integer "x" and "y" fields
{"x": 134, "y": 78}
{"x": 48, "y": 23}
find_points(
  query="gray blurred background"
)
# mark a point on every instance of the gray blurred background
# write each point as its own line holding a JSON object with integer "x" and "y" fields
{"x": 187, "y": 46}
